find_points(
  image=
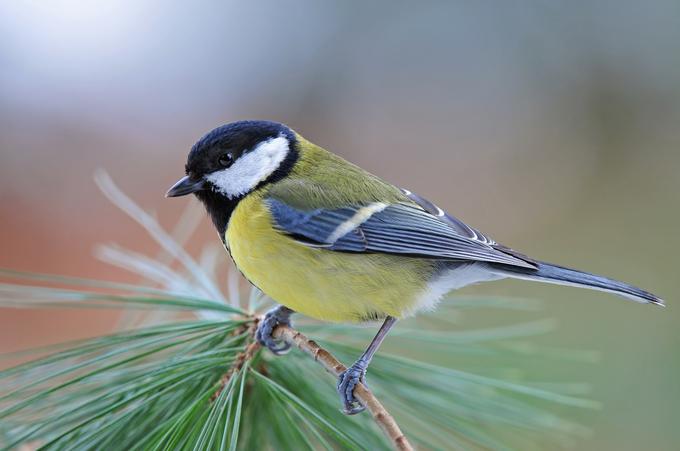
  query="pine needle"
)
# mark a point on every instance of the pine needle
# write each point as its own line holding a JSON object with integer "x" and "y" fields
{"x": 185, "y": 384}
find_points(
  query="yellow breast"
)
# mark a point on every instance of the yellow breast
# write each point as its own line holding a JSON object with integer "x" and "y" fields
{"x": 323, "y": 284}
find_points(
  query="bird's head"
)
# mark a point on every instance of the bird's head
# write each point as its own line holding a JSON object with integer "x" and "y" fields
{"x": 234, "y": 159}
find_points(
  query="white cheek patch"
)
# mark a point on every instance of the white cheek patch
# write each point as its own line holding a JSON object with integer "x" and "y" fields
{"x": 252, "y": 168}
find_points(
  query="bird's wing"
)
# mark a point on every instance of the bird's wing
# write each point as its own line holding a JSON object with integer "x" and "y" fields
{"x": 413, "y": 227}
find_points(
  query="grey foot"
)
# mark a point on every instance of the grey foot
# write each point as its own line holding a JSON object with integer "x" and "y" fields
{"x": 274, "y": 317}
{"x": 347, "y": 381}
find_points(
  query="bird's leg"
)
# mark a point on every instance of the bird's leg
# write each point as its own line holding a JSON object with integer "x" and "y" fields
{"x": 357, "y": 372}
{"x": 274, "y": 317}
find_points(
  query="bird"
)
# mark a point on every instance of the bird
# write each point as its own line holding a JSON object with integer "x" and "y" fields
{"x": 329, "y": 240}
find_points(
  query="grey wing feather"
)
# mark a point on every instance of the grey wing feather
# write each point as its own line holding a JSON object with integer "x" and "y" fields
{"x": 456, "y": 223}
{"x": 465, "y": 229}
{"x": 400, "y": 228}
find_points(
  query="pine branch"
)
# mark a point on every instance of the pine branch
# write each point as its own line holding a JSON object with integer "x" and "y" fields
{"x": 147, "y": 386}
{"x": 381, "y": 416}
{"x": 295, "y": 338}
{"x": 241, "y": 358}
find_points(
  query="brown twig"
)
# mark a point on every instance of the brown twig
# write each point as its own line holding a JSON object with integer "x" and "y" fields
{"x": 295, "y": 338}
{"x": 361, "y": 392}
{"x": 240, "y": 360}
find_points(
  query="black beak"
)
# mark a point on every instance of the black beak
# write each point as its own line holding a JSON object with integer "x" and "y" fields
{"x": 185, "y": 186}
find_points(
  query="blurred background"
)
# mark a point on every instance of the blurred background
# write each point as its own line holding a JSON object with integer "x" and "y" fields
{"x": 552, "y": 126}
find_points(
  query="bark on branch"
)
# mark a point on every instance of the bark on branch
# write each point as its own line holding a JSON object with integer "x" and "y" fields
{"x": 295, "y": 338}
{"x": 361, "y": 392}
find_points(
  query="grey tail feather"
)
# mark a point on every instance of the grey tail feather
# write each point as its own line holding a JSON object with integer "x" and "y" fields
{"x": 549, "y": 273}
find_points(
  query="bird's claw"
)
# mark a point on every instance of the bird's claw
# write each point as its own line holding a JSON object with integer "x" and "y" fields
{"x": 277, "y": 316}
{"x": 347, "y": 382}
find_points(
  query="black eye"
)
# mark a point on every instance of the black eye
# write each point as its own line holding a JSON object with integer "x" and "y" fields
{"x": 226, "y": 160}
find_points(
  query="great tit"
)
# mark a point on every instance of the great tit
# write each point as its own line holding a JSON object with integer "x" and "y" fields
{"x": 329, "y": 240}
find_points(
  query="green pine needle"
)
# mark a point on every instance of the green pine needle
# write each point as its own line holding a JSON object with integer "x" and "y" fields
{"x": 174, "y": 375}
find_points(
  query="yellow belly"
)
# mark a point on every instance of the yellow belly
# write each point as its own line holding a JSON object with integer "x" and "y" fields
{"x": 323, "y": 284}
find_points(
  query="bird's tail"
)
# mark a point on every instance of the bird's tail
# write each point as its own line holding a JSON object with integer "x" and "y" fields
{"x": 549, "y": 273}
